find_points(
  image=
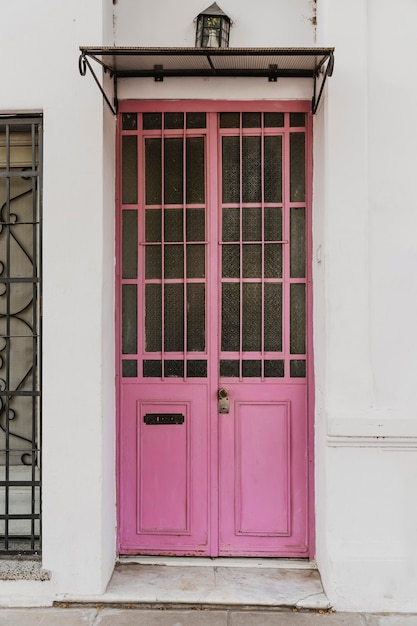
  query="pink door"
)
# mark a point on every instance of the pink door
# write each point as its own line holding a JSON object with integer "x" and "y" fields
{"x": 214, "y": 328}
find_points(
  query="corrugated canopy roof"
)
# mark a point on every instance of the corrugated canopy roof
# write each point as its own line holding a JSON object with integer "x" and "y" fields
{"x": 159, "y": 63}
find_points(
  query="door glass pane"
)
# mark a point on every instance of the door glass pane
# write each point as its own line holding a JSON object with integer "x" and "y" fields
{"x": 274, "y": 120}
{"x": 231, "y": 169}
{"x": 153, "y": 225}
{"x": 297, "y": 167}
{"x": 173, "y": 170}
{"x": 273, "y": 317}
{"x": 251, "y": 169}
{"x": 273, "y": 224}
{"x": 196, "y": 318}
{"x": 298, "y": 369}
{"x": 153, "y": 262}
{"x": 174, "y": 120}
{"x": 229, "y": 368}
{"x": 196, "y": 261}
{"x": 297, "y": 119}
{"x": 229, "y": 120}
{"x": 196, "y": 120}
{"x": 196, "y": 227}
{"x": 252, "y": 261}
{"x": 252, "y": 316}
{"x": 231, "y": 261}
{"x": 252, "y": 368}
{"x": 174, "y": 369}
{"x": 153, "y": 171}
{"x": 197, "y": 369}
{"x": 273, "y": 260}
{"x": 129, "y": 121}
{"x": 174, "y": 261}
{"x": 297, "y": 319}
{"x": 274, "y": 368}
{"x": 195, "y": 170}
{"x": 231, "y": 225}
{"x": 129, "y": 244}
{"x": 173, "y": 225}
{"x": 129, "y": 169}
{"x": 174, "y": 317}
{"x": 252, "y": 224}
{"x": 297, "y": 243}
{"x": 273, "y": 169}
{"x": 152, "y": 121}
{"x": 153, "y": 318}
{"x": 129, "y": 319}
{"x": 129, "y": 369}
{"x": 152, "y": 369}
{"x": 251, "y": 120}
{"x": 230, "y": 316}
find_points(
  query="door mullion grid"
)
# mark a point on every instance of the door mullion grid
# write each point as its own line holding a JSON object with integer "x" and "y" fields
{"x": 184, "y": 245}
{"x": 163, "y": 248}
{"x": 241, "y": 247}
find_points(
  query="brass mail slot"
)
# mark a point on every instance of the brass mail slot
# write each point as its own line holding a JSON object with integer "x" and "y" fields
{"x": 163, "y": 418}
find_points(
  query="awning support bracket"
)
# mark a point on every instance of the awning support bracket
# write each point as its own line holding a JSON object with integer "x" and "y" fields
{"x": 83, "y": 63}
{"x": 328, "y": 71}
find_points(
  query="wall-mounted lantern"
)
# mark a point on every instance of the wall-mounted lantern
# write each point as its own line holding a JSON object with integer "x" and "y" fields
{"x": 213, "y": 28}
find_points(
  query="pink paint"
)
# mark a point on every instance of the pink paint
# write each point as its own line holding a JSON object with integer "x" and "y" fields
{"x": 217, "y": 484}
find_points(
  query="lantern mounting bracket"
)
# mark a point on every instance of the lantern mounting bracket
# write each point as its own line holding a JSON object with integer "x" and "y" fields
{"x": 158, "y": 63}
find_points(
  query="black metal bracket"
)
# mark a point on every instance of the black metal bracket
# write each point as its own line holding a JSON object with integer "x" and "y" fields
{"x": 83, "y": 63}
{"x": 325, "y": 72}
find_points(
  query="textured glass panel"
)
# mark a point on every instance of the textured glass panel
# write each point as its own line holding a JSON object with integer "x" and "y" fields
{"x": 174, "y": 261}
{"x": 297, "y": 167}
{"x": 252, "y": 260}
{"x": 251, "y": 120}
{"x": 252, "y": 317}
{"x": 229, "y": 368}
{"x": 129, "y": 169}
{"x": 298, "y": 369}
{"x": 174, "y": 120}
{"x": 231, "y": 169}
{"x": 153, "y": 318}
{"x": 231, "y": 225}
{"x": 196, "y": 369}
{"x": 129, "y": 121}
{"x": 152, "y": 121}
{"x": 229, "y": 120}
{"x": 251, "y": 169}
{"x": 196, "y": 261}
{"x": 173, "y": 225}
{"x": 195, "y": 170}
{"x": 196, "y": 317}
{"x": 251, "y": 368}
{"x": 173, "y": 169}
{"x": 153, "y": 262}
{"x": 252, "y": 225}
{"x": 129, "y": 319}
{"x": 273, "y": 169}
{"x": 231, "y": 261}
{"x": 230, "y": 316}
{"x": 153, "y": 225}
{"x": 297, "y": 119}
{"x": 273, "y": 260}
{"x": 297, "y": 319}
{"x": 153, "y": 171}
{"x": 274, "y": 368}
{"x": 297, "y": 243}
{"x": 274, "y": 120}
{"x": 273, "y": 224}
{"x": 129, "y": 244}
{"x": 273, "y": 317}
{"x": 129, "y": 369}
{"x": 174, "y": 318}
{"x": 196, "y": 120}
{"x": 174, "y": 369}
{"x": 196, "y": 224}
{"x": 152, "y": 369}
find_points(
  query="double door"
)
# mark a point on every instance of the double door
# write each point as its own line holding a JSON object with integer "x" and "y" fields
{"x": 214, "y": 329}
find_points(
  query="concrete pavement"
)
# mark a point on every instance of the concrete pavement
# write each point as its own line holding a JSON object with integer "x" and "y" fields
{"x": 173, "y": 617}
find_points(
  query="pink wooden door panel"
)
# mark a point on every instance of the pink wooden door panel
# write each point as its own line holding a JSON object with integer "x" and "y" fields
{"x": 214, "y": 291}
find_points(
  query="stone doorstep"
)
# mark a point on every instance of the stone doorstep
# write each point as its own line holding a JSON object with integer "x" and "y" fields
{"x": 171, "y": 583}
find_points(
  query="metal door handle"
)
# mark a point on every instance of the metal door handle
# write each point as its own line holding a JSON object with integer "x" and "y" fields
{"x": 223, "y": 396}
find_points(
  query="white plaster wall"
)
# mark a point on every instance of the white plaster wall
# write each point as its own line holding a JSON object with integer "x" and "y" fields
{"x": 40, "y": 42}
{"x": 365, "y": 332}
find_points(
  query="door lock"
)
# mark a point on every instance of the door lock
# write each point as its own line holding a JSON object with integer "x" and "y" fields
{"x": 223, "y": 396}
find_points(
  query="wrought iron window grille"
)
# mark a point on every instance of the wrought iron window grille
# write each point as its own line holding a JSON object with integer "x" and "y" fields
{"x": 20, "y": 334}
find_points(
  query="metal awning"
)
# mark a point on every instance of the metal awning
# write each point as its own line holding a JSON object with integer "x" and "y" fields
{"x": 160, "y": 63}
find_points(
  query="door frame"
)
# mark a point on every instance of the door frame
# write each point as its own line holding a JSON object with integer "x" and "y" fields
{"x": 217, "y": 106}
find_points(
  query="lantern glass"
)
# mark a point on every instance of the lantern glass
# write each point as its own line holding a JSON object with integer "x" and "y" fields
{"x": 212, "y": 29}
